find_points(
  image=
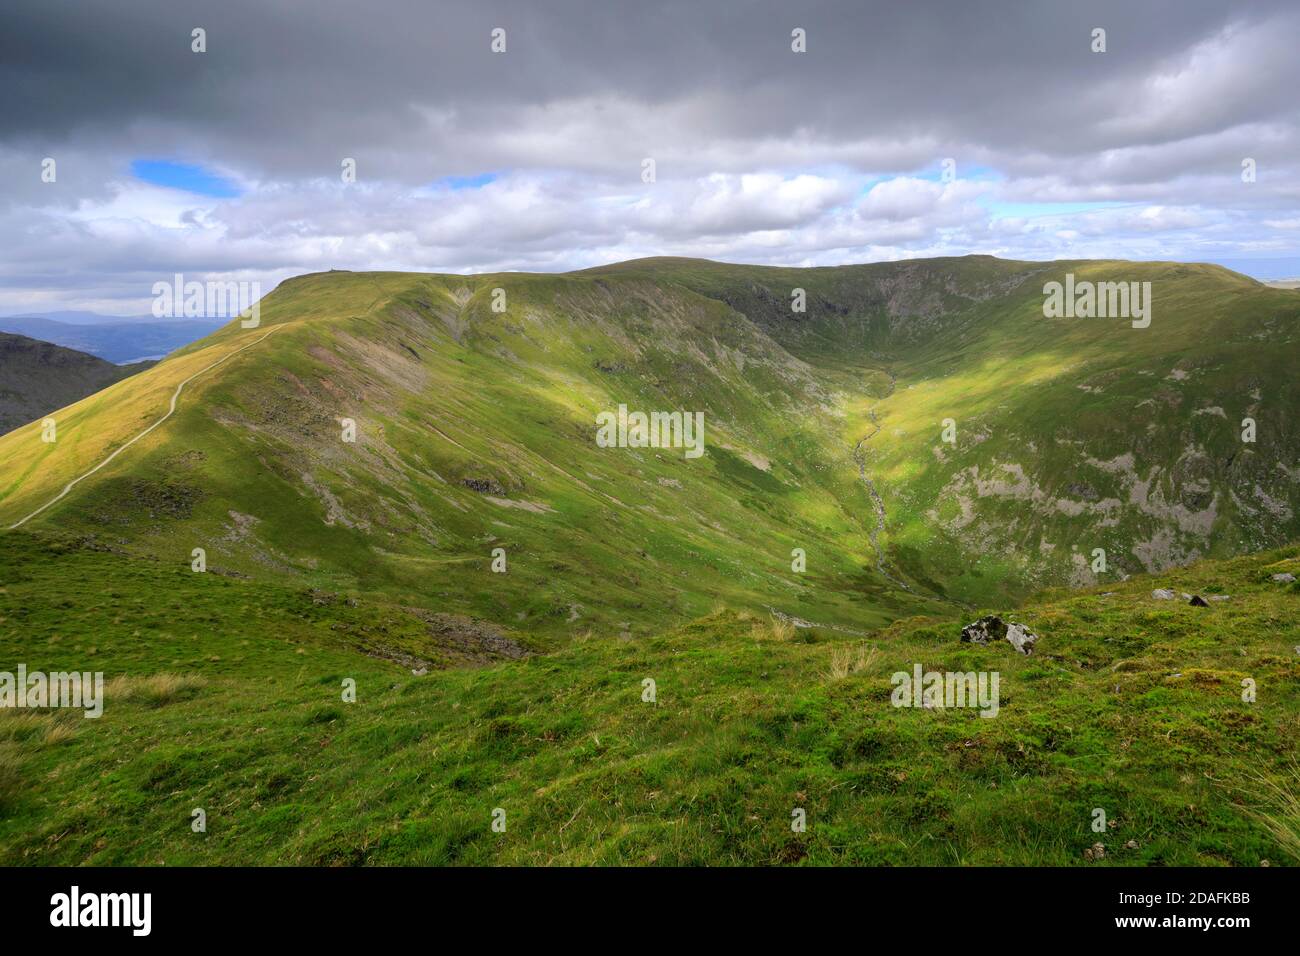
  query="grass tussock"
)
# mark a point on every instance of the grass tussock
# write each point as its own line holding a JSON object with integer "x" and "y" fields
{"x": 19, "y": 726}
{"x": 1279, "y": 809}
{"x": 782, "y": 630}
{"x": 60, "y": 731}
{"x": 10, "y": 772}
{"x": 773, "y": 629}
{"x": 156, "y": 690}
{"x": 847, "y": 659}
{"x": 37, "y": 726}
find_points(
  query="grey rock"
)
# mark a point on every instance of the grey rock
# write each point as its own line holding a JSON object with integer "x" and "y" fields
{"x": 984, "y": 631}
{"x": 1162, "y": 594}
{"x": 1286, "y": 577}
{"x": 1021, "y": 638}
{"x": 991, "y": 628}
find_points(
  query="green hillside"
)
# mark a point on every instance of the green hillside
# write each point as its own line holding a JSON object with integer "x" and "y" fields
{"x": 225, "y": 695}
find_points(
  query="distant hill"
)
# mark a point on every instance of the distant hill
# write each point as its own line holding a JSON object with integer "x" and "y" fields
{"x": 82, "y": 317}
{"x": 115, "y": 339}
{"x": 36, "y": 378}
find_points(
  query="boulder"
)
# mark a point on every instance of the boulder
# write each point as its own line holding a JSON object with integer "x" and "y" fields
{"x": 1198, "y": 601}
{"x": 1163, "y": 594}
{"x": 992, "y": 628}
{"x": 1021, "y": 638}
{"x": 984, "y": 631}
{"x": 1286, "y": 577}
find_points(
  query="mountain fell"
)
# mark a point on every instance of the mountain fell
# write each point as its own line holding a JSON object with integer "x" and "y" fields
{"x": 880, "y": 441}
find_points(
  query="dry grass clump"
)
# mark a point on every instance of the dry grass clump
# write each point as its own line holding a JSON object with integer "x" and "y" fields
{"x": 847, "y": 659}
{"x": 20, "y": 725}
{"x": 38, "y": 726}
{"x": 773, "y": 629}
{"x": 1280, "y": 813}
{"x": 155, "y": 690}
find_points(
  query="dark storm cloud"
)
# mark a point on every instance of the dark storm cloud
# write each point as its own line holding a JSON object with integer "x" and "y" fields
{"x": 285, "y": 86}
{"x": 762, "y": 153}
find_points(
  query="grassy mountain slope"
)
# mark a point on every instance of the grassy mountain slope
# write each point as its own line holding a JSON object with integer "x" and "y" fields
{"x": 476, "y": 432}
{"x": 225, "y": 695}
{"x": 37, "y": 377}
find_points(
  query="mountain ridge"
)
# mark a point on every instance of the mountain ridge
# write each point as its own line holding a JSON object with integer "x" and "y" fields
{"x": 451, "y": 397}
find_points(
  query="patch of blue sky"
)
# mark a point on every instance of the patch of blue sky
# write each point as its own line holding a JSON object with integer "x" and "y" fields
{"x": 184, "y": 176}
{"x": 458, "y": 183}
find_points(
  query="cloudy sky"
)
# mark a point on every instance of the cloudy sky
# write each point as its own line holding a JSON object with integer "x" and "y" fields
{"x": 229, "y": 163}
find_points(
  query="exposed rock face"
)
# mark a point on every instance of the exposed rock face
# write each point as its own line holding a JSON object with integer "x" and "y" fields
{"x": 992, "y": 628}
{"x": 484, "y": 486}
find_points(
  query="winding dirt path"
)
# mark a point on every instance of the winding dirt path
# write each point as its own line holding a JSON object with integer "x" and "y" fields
{"x": 176, "y": 395}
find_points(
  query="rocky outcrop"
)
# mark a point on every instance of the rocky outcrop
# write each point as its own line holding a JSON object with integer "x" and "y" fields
{"x": 484, "y": 486}
{"x": 991, "y": 628}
